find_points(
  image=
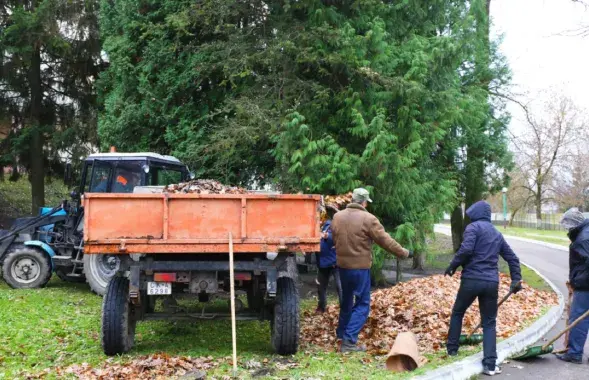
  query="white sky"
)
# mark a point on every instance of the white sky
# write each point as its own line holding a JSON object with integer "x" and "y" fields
{"x": 542, "y": 50}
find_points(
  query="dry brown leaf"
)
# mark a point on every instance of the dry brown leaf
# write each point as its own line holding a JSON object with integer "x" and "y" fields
{"x": 424, "y": 306}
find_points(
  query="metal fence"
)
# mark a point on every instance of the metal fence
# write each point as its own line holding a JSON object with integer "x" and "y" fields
{"x": 549, "y": 222}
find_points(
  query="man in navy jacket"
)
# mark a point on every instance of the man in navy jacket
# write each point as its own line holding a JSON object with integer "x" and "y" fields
{"x": 479, "y": 256}
{"x": 578, "y": 227}
{"x": 326, "y": 264}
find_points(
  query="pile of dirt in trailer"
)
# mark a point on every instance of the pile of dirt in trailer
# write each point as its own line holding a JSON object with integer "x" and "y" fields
{"x": 203, "y": 186}
{"x": 424, "y": 306}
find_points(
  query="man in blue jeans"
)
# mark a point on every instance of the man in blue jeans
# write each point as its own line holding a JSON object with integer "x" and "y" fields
{"x": 479, "y": 256}
{"x": 354, "y": 230}
{"x": 578, "y": 227}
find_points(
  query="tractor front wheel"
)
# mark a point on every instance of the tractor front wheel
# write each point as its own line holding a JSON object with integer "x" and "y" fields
{"x": 119, "y": 318}
{"x": 26, "y": 268}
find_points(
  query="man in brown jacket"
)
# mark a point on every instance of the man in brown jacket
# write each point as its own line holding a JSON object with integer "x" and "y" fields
{"x": 354, "y": 231}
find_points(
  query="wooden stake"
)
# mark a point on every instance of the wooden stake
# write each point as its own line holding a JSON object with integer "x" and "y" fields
{"x": 232, "y": 287}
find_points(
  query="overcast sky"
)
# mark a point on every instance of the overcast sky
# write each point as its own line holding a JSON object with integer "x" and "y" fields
{"x": 542, "y": 50}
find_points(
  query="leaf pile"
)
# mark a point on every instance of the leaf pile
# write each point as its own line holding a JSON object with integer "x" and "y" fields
{"x": 341, "y": 201}
{"x": 157, "y": 366}
{"x": 424, "y": 306}
{"x": 203, "y": 186}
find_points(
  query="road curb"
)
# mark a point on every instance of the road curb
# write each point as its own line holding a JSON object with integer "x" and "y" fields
{"x": 472, "y": 365}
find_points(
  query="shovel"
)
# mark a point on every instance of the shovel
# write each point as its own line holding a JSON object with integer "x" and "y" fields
{"x": 473, "y": 338}
{"x": 548, "y": 347}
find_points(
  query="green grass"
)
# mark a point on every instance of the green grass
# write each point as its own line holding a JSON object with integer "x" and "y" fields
{"x": 16, "y": 196}
{"x": 554, "y": 237}
{"x": 60, "y": 325}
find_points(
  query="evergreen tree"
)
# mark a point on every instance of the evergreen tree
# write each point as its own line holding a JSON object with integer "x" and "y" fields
{"x": 49, "y": 57}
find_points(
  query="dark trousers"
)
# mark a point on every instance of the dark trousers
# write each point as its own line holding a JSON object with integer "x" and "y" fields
{"x": 323, "y": 275}
{"x": 487, "y": 293}
{"x": 355, "y": 304}
{"x": 578, "y": 335}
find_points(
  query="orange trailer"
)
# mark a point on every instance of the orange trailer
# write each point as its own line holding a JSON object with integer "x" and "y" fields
{"x": 171, "y": 245}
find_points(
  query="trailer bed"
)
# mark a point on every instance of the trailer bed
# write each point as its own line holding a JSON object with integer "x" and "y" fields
{"x": 200, "y": 223}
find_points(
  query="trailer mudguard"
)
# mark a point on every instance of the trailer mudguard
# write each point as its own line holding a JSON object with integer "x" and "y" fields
{"x": 44, "y": 246}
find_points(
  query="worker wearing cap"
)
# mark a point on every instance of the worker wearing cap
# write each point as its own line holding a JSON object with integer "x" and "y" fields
{"x": 354, "y": 231}
{"x": 578, "y": 232}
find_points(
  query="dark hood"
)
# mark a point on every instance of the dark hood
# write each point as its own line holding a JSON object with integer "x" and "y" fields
{"x": 479, "y": 211}
{"x": 577, "y": 230}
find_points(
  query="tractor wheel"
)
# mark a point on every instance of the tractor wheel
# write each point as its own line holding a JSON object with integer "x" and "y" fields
{"x": 285, "y": 323}
{"x": 26, "y": 268}
{"x": 99, "y": 269}
{"x": 63, "y": 274}
{"x": 119, "y": 318}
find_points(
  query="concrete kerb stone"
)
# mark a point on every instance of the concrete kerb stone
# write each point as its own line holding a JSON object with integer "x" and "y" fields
{"x": 472, "y": 365}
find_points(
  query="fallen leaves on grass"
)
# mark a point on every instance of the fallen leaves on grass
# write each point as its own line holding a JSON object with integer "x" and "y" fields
{"x": 158, "y": 366}
{"x": 424, "y": 306}
{"x": 203, "y": 186}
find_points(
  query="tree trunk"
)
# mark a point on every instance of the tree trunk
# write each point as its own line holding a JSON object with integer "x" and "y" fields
{"x": 14, "y": 174}
{"x": 457, "y": 227}
{"x": 538, "y": 203}
{"x": 419, "y": 260}
{"x": 36, "y": 173}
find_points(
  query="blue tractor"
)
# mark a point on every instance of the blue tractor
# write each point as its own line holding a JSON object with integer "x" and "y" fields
{"x": 36, "y": 247}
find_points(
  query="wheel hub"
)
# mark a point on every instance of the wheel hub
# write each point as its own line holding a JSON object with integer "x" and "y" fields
{"x": 26, "y": 270}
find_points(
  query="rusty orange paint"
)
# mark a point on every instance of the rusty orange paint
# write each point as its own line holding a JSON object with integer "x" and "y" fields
{"x": 199, "y": 223}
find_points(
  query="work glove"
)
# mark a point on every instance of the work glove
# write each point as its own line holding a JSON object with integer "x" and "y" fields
{"x": 450, "y": 271}
{"x": 410, "y": 254}
{"x": 516, "y": 286}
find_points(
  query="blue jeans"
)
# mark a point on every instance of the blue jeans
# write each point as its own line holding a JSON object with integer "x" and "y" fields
{"x": 578, "y": 334}
{"x": 355, "y": 304}
{"x": 487, "y": 293}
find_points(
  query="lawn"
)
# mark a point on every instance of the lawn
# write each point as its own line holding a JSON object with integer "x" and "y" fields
{"x": 548, "y": 236}
{"x": 15, "y": 197}
{"x": 60, "y": 325}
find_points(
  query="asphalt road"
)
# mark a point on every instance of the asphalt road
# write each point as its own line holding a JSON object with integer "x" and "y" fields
{"x": 554, "y": 265}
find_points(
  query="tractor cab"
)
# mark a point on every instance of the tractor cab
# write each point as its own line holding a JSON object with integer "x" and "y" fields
{"x": 122, "y": 172}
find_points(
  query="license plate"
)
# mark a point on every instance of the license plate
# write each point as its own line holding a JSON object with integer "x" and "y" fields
{"x": 158, "y": 288}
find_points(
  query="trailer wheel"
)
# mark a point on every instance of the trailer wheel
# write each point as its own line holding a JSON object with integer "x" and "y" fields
{"x": 26, "y": 268}
{"x": 119, "y": 318}
{"x": 285, "y": 322}
{"x": 99, "y": 269}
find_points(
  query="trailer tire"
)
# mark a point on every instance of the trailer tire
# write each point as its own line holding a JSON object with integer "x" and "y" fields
{"x": 119, "y": 318}
{"x": 285, "y": 321}
{"x": 99, "y": 271}
{"x": 19, "y": 262}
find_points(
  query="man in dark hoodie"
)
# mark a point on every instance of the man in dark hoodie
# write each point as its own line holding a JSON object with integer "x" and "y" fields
{"x": 326, "y": 263}
{"x": 578, "y": 227}
{"x": 479, "y": 256}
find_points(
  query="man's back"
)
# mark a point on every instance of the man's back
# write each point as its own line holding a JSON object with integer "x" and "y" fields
{"x": 482, "y": 246}
{"x": 354, "y": 231}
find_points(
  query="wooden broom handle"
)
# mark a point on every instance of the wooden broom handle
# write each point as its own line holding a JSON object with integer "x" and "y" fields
{"x": 569, "y": 327}
{"x": 499, "y": 304}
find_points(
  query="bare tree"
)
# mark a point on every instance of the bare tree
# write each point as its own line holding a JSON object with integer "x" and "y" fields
{"x": 573, "y": 189}
{"x": 547, "y": 144}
